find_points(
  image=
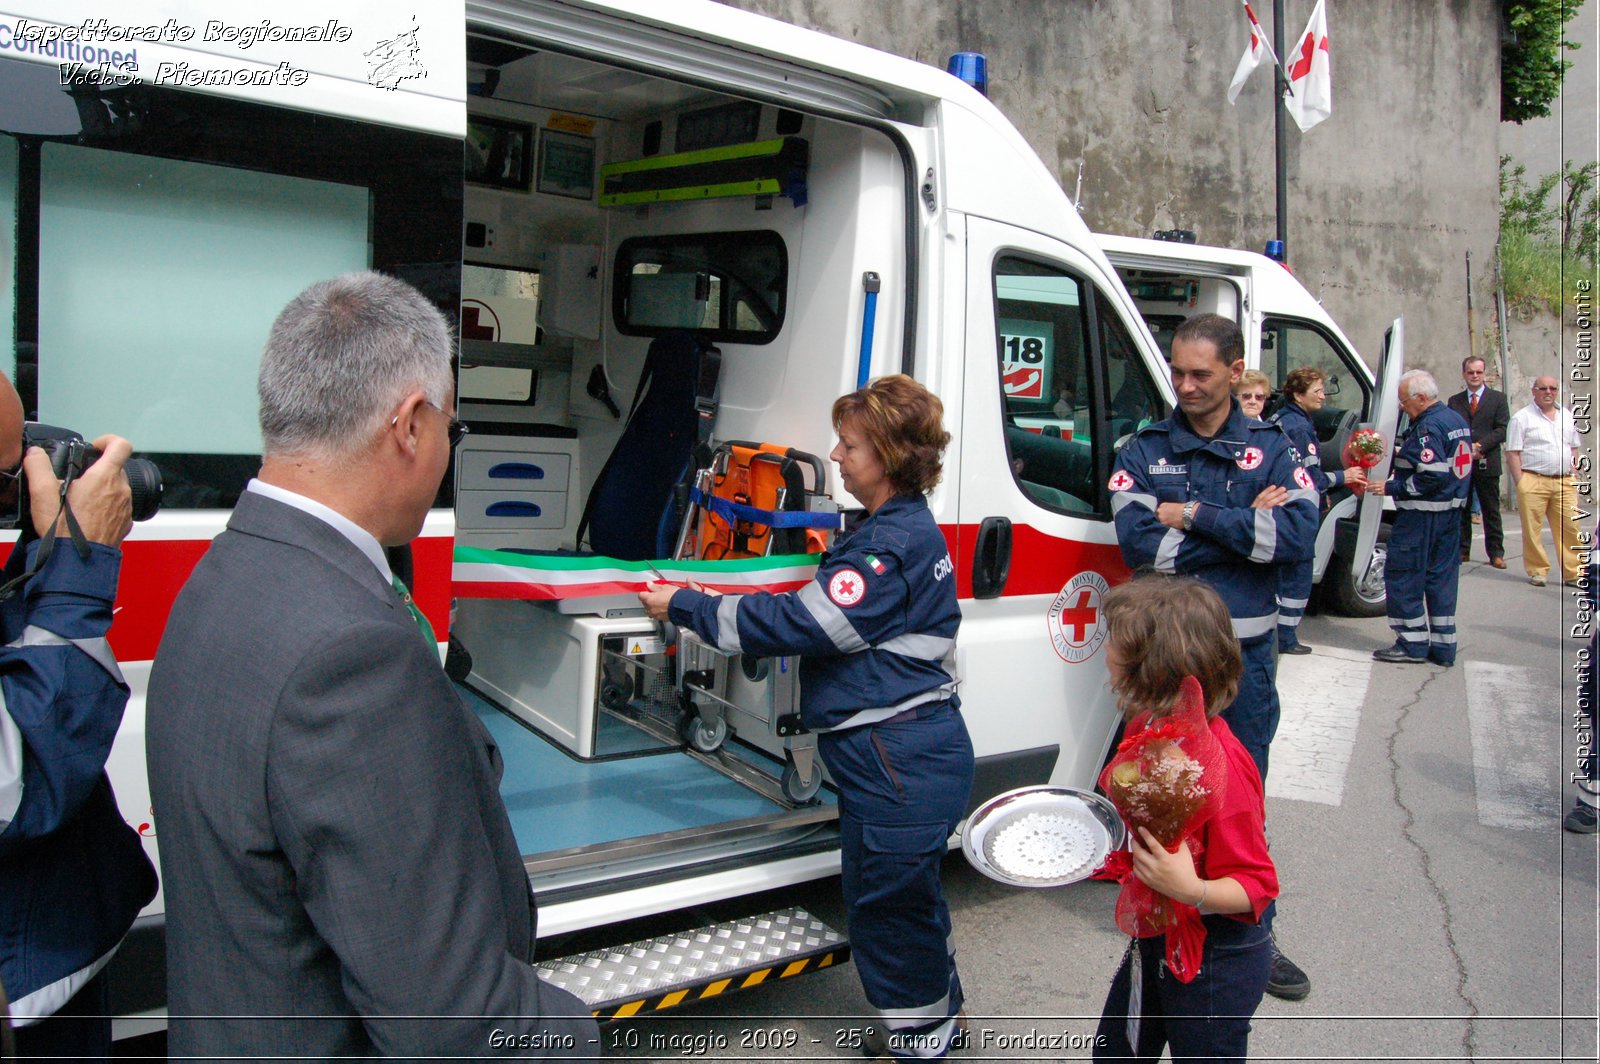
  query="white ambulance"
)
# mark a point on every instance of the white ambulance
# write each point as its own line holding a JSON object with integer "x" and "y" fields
{"x": 580, "y": 178}
{"x": 1285, "y": 327}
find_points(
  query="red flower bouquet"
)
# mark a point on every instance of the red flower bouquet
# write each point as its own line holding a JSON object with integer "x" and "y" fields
{"x": 1169, "y": 776}
{"x": 1365, "y": 449}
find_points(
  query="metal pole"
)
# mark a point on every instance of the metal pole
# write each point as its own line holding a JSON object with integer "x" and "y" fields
{"x": 1280, "y": 127}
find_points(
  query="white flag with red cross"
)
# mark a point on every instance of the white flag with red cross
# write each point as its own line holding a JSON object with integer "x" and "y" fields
{"x": 1254, "y": 52}
{"x": 1310, "y": 96}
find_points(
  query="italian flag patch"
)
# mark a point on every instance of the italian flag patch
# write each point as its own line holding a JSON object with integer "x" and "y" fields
{"x": 874, "y": 564}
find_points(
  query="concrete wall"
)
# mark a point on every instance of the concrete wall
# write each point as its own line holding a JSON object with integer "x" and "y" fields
{"x": 1386, "y": 198}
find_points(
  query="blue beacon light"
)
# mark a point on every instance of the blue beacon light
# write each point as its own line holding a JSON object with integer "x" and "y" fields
{"x": 972, "y": 68}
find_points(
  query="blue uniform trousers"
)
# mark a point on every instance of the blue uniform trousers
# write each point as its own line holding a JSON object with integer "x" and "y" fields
{"x": 1294, "y": 594}
{"x": 1420, "y": 578}
{"x": 1253, "y": 715}
{"x": 903, "y": 787}
{"x": 1207, "y": 1019}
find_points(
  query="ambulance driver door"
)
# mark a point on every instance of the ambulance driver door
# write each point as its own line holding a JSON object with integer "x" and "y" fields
{"x": 1053, "y": 382}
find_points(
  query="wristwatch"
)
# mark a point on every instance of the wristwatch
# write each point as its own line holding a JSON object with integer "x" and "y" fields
{"x": 1190, "y": 508}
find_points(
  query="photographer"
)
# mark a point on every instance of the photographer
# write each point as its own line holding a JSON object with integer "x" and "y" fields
{"x": 73, "y": 874}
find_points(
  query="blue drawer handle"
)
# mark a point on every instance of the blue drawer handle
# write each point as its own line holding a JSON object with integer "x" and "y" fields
{"x": 516, "y": 471}
{"x": 513, "y": 509}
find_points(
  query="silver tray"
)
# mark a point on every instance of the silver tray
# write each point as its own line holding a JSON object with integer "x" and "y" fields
{"x": 1041, "y": 836}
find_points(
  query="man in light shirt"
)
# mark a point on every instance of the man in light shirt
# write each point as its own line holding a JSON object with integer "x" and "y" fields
{"x": 1542, "y": 451}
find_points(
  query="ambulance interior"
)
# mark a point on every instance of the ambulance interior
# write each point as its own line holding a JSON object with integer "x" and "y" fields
{"x": 1165, "y": 298}
{"x": 607, "y": 212}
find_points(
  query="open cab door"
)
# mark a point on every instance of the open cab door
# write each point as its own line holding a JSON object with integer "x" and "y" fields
{"x": 1371, "y": 553}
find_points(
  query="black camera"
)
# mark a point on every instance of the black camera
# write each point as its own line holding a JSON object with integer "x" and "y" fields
{"x": 70, "y": 455}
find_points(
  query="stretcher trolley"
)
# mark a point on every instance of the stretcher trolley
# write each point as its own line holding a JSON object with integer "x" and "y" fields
{"x": 752, "y": 501}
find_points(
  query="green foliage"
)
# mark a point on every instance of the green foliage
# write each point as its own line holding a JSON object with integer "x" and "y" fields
{"x": 1531, "y": 62}
{"x": 1544, "y": 246}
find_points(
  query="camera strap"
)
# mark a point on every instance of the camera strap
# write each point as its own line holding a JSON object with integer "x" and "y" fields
{"x": 47, "y": 544}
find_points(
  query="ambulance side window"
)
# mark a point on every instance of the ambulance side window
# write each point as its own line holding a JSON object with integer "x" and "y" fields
{"x": 166, "y": 231}
{"x": 1287, "y": 345}
{"x": 1071, "y": 381}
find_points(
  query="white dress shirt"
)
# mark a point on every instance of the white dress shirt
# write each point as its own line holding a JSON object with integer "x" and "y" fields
{"x": 1546, "y": 445}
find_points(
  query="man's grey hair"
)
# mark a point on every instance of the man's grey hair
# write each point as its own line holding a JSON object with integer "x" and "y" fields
{"x": 1420, "y": 382}
{"x": 341, "y": 357}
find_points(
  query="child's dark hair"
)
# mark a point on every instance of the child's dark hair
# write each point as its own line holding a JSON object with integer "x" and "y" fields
{"x": 1166, "y": 628}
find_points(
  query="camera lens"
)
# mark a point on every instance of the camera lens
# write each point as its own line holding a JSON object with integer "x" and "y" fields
{"x": 145, "y": 479}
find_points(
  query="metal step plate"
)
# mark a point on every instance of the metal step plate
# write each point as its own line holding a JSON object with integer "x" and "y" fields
{"x": 663, "y": 973}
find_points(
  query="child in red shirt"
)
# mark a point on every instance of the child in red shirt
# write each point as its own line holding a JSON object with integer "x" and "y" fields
{"x": 1162, "y": 629}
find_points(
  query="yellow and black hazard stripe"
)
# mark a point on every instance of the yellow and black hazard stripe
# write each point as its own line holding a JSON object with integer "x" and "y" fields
{"x": 689, "y": 995}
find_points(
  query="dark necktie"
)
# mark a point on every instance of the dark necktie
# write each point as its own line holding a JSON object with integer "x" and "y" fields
{"x": 416, "y": 614}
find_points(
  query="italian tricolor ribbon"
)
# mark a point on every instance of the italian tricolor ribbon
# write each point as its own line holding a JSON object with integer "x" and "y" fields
{"x": 481, "y": 573}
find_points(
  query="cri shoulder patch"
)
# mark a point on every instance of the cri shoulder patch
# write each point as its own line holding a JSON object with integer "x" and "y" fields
{"x": 1121, "y": 481}
{"x": 846, "y": 587}
{"x": 1251, "y": 458}
{"x": 1302, "y": 478}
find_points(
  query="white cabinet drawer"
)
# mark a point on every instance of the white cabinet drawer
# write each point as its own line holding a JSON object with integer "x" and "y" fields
{"x": 513, "y": 471}
{"x": 511, "y": 509}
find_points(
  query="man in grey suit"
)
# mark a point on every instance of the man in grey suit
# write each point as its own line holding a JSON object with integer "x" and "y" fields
{"x": 341, "y": 876}
{"x": 1487, "y": 413}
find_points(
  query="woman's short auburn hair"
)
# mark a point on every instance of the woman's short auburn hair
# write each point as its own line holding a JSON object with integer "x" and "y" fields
{"x": 1250, "y": 378}
{"x": 1166, "y": 628}
{"x": 904, "y": 422}
{"x": 1300, "y": 380}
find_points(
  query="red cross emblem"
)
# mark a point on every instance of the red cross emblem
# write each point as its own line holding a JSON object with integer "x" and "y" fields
{"x": 1121, "y": 481}
{"x": 1302, "y": 478}
{"x": 846, "y": 587}
{"x": 1462, "y": 461}
{"x": 1074, "y": 618}
{"x": 1251, "y": 458}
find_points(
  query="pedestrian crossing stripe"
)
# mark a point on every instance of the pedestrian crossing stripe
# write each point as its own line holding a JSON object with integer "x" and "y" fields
{"x": 690, "y": 995}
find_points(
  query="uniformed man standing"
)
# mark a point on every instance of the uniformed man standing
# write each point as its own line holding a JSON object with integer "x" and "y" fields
{"x": 1429, "y": 483}
{"x": 1213, "y": 494}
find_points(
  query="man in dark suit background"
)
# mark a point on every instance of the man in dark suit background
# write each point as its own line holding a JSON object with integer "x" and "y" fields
{"x": 1488, "y": 413}
{"x": 341, "y": 876}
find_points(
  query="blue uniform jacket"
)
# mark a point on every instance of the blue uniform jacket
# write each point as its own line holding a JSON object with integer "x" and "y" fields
{"x": 73, "y": 874}
{"x": 875, "y": 631}
{"x": 1303, "y": 434}
{"x": 1232, "y": 547}
{"x": 1433, "y": 469}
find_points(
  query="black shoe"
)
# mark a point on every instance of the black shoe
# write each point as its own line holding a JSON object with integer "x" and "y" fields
{"x": 1286, "y": 980}
{"x": 1582, "y": 820}
{"x": 1396, "y": 656}
{"x": 1442, "y": 664}
{"x": 1295, "y": 648}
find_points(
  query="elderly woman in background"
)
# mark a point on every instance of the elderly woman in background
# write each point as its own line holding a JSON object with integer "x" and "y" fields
{"x": 1252, "y": 392}
{"x": 1304, "y": 393}
{"x": 875, "y": 633}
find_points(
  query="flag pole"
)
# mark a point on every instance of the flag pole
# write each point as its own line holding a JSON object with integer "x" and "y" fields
{"x": 1280, "y": 126}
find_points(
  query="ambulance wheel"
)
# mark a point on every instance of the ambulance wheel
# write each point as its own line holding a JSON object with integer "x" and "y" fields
{"x": 614, "y": 694}
{"x": 797, "y": 792}
{"x": 702, "y": 734}
{"x": 1346, "y": 594}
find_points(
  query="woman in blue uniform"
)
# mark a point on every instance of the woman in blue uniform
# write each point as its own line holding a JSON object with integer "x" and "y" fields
{"x": 1304, "y": 393}
{"x": 875, "y": 633}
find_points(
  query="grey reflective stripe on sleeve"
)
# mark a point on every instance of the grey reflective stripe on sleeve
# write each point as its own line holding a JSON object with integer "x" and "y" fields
{"x": 830, "y": 619}
{"x": 1167, "y": 551}
{"x": 728, "y": 624}
{"x": 873, "y": 716}
{"x": 1434, "y": 467}
{"x": 1245, "y": 627}
{"x": 1303, "y": 493}
{"x": 1126, "y": 498}
{"x": 1429, "y": 504}
{"x": 10, "y": 766}
{"x": 1266, "y": 536}
{"x": 97, "y": 649}
{"x": 912, "y": 645}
